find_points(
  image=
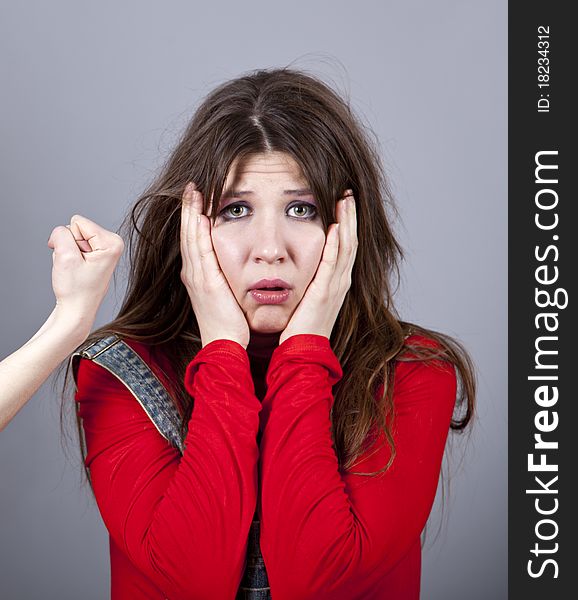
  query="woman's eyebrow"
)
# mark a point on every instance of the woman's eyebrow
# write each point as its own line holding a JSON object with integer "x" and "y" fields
{"x": 301, "y": 192}
{"x": 240, "y": 193}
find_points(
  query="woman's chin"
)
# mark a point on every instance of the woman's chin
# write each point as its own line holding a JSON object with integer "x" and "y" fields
{"x": 267, "y": 321}
{"x": 266, "y": 328}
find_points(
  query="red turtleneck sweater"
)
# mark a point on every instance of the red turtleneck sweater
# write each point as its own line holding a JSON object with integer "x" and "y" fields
{"x": 178, "y": 525}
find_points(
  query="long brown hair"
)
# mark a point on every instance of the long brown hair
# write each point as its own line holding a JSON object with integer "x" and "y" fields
{"x": 289, "y": 111}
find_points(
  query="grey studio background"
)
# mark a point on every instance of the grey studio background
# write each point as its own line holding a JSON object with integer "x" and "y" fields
{"x": 93, "y": 96}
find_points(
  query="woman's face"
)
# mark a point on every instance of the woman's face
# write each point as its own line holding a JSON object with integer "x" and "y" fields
{"x": 268, "y": 228}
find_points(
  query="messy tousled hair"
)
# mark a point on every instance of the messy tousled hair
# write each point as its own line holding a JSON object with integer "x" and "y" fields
{"x": 290, "y": 111}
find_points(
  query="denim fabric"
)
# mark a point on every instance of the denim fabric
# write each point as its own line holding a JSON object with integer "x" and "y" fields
{"x": 124, "y": 363}
{"x": 255, "y": 584}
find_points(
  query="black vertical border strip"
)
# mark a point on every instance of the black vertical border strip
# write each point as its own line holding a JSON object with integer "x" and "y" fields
{"x": 530, "y": 132}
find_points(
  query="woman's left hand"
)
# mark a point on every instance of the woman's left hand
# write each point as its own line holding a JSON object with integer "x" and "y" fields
{"x": 319, "y": 307}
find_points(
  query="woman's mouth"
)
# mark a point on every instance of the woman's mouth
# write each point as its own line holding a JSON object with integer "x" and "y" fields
{"x": 270, "y": 291}
{"x": 270, "y": 296}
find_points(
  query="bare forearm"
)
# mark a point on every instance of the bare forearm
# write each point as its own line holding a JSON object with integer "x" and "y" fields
{"x": 24, "y": 371}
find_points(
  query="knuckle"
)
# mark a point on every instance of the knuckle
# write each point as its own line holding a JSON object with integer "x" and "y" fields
{"x": 209, "y": 286}
{"x": 117, "y": 244}
{"x": 65, "y": 258}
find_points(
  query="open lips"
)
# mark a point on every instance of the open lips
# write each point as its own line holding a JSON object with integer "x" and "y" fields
{"x": 270, "y": 291}
{"x": 270, "y": 284}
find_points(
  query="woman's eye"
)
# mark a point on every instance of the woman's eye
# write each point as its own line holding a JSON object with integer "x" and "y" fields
{"x": 233, "y": 211}
{"x": 304, "y": 210}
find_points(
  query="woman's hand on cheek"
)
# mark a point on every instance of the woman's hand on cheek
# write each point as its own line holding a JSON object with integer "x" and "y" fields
{"x": 319, "y": 307}
{"x": 218, "y": 313}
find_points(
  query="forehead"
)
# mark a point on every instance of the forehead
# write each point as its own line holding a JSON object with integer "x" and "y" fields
{"x": 270, "y": 167}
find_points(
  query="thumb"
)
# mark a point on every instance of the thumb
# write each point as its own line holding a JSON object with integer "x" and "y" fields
{"x": 62, "y": 241}
{"x": 94, "y": 234}
{"x": 81, "y": 242}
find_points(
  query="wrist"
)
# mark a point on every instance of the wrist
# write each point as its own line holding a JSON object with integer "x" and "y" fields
{"x": 288, "y": 334}
{"x": 75, "y": 324}
{"x": 205, "y": 341}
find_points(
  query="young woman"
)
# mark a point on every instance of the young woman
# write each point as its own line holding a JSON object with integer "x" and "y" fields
{"x": 84, "y": 259}
{"x": 260, "y": 299}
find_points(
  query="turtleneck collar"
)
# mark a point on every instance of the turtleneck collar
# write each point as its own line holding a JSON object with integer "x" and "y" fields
{"x": 262, "y": 345}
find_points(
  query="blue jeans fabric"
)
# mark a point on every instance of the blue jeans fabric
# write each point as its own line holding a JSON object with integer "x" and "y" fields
{"x": 124, "y": 363}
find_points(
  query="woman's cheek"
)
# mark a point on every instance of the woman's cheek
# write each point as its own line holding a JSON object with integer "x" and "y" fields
{"x": 228, "y": 256}
{"x": 314, "y": 251}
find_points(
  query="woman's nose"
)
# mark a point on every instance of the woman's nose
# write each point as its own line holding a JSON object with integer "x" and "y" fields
{"x": 269, "y": 243}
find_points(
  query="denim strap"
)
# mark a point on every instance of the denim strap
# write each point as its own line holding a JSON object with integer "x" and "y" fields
{"x": 125, "y": 364}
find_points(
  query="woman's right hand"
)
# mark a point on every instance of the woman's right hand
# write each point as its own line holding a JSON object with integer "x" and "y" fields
{"x": 218, "y": 313}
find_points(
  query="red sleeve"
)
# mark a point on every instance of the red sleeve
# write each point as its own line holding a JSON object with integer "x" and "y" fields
{"x": 328, "y": 535}
{"x": 183, "y": 521}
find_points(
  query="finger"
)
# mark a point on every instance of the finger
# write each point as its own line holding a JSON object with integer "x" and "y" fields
{"x": 64, "y": 245}
{"x": 193, "y": 203}
{"x": 82, "y": 244}
{"x": 345, "y": 216}
{"x": 351, "y": 210}
{"x": 352, "y": 206}
{"x": 349, "y": 248}
{"x": 98, "y": 237}
{"x": 188, "y": 227}
{"x": 353, "y": 224}
{"x": 352, "y": 241}
{"x": 198, "y": 204}
{"x": 328, "y": 262}
{"x": 208, "y": 261}
{"x": 199, "y": 252}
